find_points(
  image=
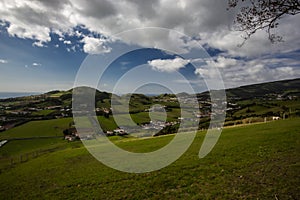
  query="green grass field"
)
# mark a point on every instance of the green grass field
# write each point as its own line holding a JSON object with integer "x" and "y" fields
{"x": 259, "y": 107}
{"x": 259, "y": 161}
{"x": 43, "y": 112}
{"x": 53, "y": 127}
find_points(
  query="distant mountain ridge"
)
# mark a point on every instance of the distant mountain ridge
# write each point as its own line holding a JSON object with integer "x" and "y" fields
{"x": 283, "y": 87}
{"x": 256, "y": 102}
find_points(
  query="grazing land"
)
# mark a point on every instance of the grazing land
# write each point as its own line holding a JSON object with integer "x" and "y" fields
{"x": 258, "y": 161}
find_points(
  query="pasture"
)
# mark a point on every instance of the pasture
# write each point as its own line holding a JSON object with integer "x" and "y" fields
{"x": 260, "y": 161}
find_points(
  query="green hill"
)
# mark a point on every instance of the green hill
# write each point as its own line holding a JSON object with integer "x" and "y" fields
{"x": 284, "y": 88}
{"x": 249, "y": 162}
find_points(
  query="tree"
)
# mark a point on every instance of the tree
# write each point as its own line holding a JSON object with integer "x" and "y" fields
{"x": 257, "y": 15}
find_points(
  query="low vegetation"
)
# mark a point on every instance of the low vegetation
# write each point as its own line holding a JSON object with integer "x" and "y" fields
{"x": 249, "y": 162}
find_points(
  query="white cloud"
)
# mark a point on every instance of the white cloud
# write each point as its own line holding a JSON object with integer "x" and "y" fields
{"x": 39, "y": 33}
{"x": 72, "y": 49}
{"x": 237, "y": 72}
{"x": 38, "y": 44}
{"x": 168, "y": 65}
{"x": 240, "y": 72}
{"x": 95, "y": 45}
{"x": 2, "y": 61}
{"x": 207, "y": 19}
{"x": 209, "y": 72}
{"x": 258, "y": 45}
{"x": 36, "y": 64}
{"x": 222, "y": 62}
{"x": 34, "y": 19}
{"x": 67, "y": 42}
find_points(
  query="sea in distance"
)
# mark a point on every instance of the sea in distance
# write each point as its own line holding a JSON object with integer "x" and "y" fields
{"x": 6, "y": 95}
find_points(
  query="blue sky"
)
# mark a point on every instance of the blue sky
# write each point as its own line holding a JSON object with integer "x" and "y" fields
{"x": 31, "y": 68}
{"x": 44, "y": 44}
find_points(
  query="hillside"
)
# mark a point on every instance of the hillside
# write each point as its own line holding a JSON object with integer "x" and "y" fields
{"x": 283, "y": 88}
{"x": 250, "y": 162}
{"x": 252, "y": 103}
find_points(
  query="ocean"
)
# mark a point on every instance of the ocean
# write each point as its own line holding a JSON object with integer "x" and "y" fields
{"x": 5, "y": 95}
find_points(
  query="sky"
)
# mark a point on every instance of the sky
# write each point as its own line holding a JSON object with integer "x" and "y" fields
{"x": 124, "y": 46}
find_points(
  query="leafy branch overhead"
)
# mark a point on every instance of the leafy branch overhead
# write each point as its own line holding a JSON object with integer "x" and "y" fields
{"x": 257, "y": 15}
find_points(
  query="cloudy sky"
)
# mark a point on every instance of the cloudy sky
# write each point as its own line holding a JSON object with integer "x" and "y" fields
{"x": 44, "y": 43}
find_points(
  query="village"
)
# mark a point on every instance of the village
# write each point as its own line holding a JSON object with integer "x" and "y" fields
{"x": 57, "y": 104}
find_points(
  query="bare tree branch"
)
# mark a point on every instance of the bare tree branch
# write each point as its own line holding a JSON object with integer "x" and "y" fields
{"x": 257, "y": 15}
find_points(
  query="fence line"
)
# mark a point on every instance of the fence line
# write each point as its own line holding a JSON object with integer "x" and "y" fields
{"x": 11, "y": 161}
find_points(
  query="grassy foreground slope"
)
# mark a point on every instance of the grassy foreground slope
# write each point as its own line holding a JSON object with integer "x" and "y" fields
{"x": 251, "y": 162}
{"x": 34, "y": 129}
{"x": 43, "y": 128}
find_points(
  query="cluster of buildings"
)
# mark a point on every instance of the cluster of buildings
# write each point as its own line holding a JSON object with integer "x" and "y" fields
{"x": 157, "y": 125}
{"x": 117, "y": 131}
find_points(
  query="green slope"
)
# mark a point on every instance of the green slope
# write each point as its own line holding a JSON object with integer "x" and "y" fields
{"x": 285, "y": 87}
{"x": 249, "y": 162}
{"x": 37, "y": 128}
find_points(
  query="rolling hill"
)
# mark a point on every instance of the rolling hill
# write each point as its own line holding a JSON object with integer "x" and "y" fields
{"x": 283, "y": 88}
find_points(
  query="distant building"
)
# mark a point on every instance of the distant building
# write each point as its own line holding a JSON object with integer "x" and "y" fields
{"x": 275, "y": 118}
{"x": 53, "y": 107}
{"x": 3, "y": 142}
{"x": 110, "y": 133}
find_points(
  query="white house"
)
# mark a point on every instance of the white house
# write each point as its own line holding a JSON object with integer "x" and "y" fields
{"x": 275, "y": 118}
